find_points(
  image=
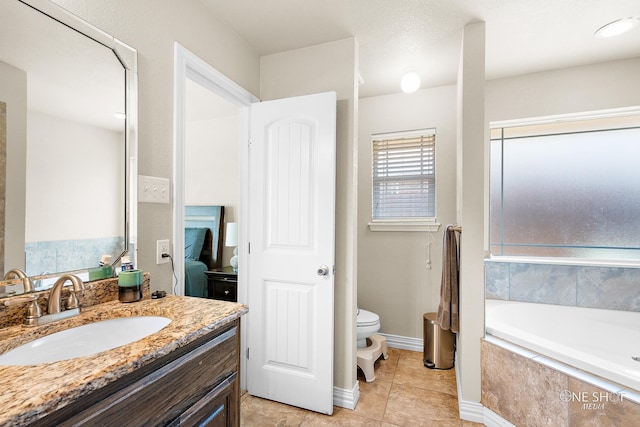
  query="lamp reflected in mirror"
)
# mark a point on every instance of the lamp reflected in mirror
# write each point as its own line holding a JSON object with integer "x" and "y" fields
{"x": 231, "y": 240}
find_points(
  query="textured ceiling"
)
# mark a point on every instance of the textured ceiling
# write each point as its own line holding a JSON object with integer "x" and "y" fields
{"x": 522, "y": 36}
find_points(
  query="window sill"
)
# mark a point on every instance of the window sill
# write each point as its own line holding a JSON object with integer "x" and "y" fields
{"x": 580, "y": 262}
{"x": 424, "y": 225}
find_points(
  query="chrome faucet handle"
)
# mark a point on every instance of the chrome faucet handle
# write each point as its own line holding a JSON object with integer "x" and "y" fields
{"x": 20, "y": 300}
{"x": 16, "y": 273}
{"x": 33, "y": 309}
{"x": 72, "y": 300}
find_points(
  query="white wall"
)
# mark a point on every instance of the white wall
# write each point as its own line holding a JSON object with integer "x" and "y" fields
{"x": 152, "y": 27}
{"x": 330, "y": 67}
{"x": 212, "y": 175}
{"x": 394, "y": 279}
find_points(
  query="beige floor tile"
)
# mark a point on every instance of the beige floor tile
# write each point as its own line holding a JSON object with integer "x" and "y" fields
{"x": 373, "y": 399}
{"x": 412, "y": 406}
{"x": 410, "y": 355}
{"x": 415, "y": 374}
{"x": 405, "y": 393}
{"x": 340, "y": 417}
{"x": 257, "y": 412}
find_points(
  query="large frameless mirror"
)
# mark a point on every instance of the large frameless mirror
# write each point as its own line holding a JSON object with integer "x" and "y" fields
{"x": 67, "y": 141}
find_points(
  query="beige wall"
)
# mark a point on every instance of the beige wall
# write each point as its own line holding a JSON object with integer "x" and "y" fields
{"x": 212, "y": 170}
{"x": 322, "y": 68}
{"x": 152, "y": 27}
{"x": 471, "y": 188}
{"x": 578, "y": 89}
{"x": 13, "y": 90}
{"x": 52, "y": 142}
{"x": 392, "y": 291}
{"x": 394, "y": 278}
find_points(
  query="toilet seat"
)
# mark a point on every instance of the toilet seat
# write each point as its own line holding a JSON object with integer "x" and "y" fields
{"x": 367, "y": 318}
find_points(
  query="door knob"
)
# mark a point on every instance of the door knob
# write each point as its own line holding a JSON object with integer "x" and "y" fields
{"x": 323, "y": 270}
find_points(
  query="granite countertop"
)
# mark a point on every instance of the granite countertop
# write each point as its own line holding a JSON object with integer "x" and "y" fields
{"x": 31, "y": 392}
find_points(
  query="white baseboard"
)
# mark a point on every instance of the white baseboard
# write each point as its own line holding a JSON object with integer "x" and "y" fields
{"x": 346, "y": 398}
{"x": 476, "y": 412}
{"x": 404, "y": 343}
{"x": 470, "y": 411}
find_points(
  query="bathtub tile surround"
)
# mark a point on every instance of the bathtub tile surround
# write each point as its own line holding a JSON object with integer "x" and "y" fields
{"x": 601, "y": 413}
{"x": 527, "y": 393}
{"x": 618, "y": 288}
{"x": 555, "y": 284}
{"x": 613, "y": 288}
{"x": 520, "y": 390}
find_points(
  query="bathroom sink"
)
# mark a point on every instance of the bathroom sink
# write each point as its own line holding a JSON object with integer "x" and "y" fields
{"x": 84, "y": 340}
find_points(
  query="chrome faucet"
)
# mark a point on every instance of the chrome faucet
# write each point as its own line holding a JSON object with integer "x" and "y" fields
{"x": 16, "y": 273}
{"x": 54, "y": 304}
{"x": 34, "y": 316}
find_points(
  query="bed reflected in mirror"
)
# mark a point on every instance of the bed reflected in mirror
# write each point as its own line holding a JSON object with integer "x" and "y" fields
{"x": 203, "y": 227}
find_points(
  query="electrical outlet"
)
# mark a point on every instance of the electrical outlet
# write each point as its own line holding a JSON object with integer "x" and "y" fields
{"x": 162, "y": 247}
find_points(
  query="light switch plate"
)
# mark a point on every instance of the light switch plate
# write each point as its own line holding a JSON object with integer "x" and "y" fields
{"x": 152, "y": 189}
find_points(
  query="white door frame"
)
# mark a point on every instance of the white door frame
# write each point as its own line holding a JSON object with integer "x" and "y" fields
{"x": 188, "y": 65}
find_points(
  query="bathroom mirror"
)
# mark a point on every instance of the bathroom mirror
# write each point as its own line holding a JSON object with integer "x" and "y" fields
{"x": 67, "y": 142}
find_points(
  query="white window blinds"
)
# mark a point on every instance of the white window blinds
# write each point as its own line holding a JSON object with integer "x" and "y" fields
{"x": 404, "y": 175}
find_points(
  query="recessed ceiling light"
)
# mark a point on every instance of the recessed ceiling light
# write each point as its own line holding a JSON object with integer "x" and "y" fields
{"x": 410, "y": 82}
{"x": 618, "y": 27}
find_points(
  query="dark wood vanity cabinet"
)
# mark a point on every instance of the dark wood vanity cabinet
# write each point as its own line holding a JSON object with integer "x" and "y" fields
{"x": 195, "y": 385}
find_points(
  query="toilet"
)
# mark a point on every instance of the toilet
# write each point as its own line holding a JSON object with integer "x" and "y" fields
{"x": 370, "y": 345}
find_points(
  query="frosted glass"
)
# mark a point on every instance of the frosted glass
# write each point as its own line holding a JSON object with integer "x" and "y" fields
{"x": 568, "y": 195}
{"x": 495, "y": 202}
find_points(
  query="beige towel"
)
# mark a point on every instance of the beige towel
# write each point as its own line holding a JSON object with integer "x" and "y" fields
{"x": 448, "y": 308}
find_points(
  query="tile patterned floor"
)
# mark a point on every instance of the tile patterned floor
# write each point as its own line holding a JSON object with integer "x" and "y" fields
{"x": 405, "y": 393}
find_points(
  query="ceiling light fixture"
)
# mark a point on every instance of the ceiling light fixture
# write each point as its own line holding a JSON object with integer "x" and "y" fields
{"x": 617, "y": 27}
{"x": 410, "y": 82}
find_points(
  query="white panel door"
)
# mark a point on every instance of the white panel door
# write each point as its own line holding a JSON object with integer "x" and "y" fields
{"x": 292, "y": 251}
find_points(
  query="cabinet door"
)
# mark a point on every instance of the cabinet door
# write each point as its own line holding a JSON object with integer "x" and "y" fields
{"x": 164, "y": 395}
{"x": 216, "y": 409}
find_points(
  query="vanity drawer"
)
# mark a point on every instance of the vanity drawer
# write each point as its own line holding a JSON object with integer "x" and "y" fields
{"x": 191, "y": 387}
{"x": 222, "y": 284}
{"x": 225, "y": 290}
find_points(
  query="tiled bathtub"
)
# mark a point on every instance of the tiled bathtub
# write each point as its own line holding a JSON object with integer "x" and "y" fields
{"x": 537, "y": 373}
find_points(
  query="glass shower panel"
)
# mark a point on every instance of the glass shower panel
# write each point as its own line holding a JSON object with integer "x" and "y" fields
{"x": 571, "y": 195}
{"x": 495, "y": 200}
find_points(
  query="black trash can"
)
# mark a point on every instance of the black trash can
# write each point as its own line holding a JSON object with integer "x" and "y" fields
{"x": 439, "y": 344}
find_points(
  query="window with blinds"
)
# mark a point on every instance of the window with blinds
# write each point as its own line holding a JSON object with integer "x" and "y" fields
{"x": 404, "y": 175}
